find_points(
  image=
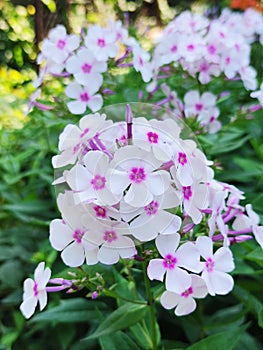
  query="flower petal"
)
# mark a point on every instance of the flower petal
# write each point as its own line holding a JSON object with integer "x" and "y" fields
{"x": 167, "y": 244}
{"x": 73, "y": 255}
{"x": 156, "y": 270}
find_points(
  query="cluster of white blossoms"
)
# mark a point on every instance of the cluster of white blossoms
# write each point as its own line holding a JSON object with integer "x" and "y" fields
{"x": 139, "y": 183}
{"x": 204, "y": 48}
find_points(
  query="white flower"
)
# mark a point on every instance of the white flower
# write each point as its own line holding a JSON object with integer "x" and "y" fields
{"x": 184, "y": 302}
{"x": 35, "y": 290}
{"x": 216, "y": 266}
{"x": 84, "y": 96}
{"x": 173, "y": 261}
{"x": 137, "y": 169}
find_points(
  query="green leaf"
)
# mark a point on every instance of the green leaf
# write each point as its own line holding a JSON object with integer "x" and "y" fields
{"x": 255, "y": 255}
{"x": 223, "y": 340}
{"x": 142, "y": 336}
{"x": 77, "y": 310}
{"x": 122, "y": 318}
{"x": 117, "y": 341}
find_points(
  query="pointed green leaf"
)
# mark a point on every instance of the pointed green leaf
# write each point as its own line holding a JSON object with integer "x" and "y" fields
{"x": 117, "y": 341}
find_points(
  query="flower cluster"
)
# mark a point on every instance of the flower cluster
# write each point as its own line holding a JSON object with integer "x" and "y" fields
{"x": 139, "y": 182}
{"x": 203, "y": 48}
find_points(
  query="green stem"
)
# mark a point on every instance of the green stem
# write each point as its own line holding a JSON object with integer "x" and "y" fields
{"x": 150, "y": 299}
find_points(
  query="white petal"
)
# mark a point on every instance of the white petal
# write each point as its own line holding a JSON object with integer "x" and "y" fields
{"x": 95, "y": 103}
{"x": 170, "y": 223}
{"x": 60, "y": 234}
{"x": 169, "y": 300}
{"x": 189, "y": 257}
{"x": 158, "y": 182}
{"x": 118, "y": 180}
{"x": 76, "y": 107}
{"x": 218, "y": 282}
{"x": 177, "y": 280}
{"x": 73, "y": 90}
{"x": 156, "y": 270}
{"x": 73, "y": 255}
{"x": 92, "y": 256}
{"x": 138, "y": 195}
{"x": 205, "y": 246}
{"x": 199, "y": 287}
{"x": 108, "y": 255}
{"x": 224, "y": 260}
{"x": 28, "y": 306}
{"x": 167, "y": 244}
{"x": 185, "y": 306}
{"x": 42, "y": 298}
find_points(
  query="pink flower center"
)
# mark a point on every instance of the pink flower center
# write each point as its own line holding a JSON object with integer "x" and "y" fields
{"x": 187, "y": 292}
{"x": 151, "y": 208}
{"x": 211, "y": 49}
{"x": 137, "y": 175}
{"x": 100, "y": 211}
{"x": 35, "y": 289}
{"x": 190, "y": 47}
{"x": 212, "y": 119}
{"x": 110, "y": 236}
{"x": 227, "y": 60}
{"x": 204, "y": 67}
{"x": 169, "y": 261}
{"x": 152, "y": 137}
{"x": 173, "y": 48}
{"x": 199, "y": 107}
{"x": 61, "y": 44}
{"x": 210, "y": 264}
{"x": 84, "y": 132}
{"x": 86, "y": 68}
{"x": 187, "y": 191}
{"x": 84, "y": 97}
{"x": 182, "y": 158}
{"x": 101, "y": 43}
{"x": 98, "y": 182}
{"x": 141, "y": 63}
{"x": 77, "y": 235}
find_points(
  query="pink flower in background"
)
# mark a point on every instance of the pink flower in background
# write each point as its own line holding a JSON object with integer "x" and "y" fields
{"x": 59, "y": 45}
{"x": 141, "y": 63}
{"x": 101, "y": 42}
{"x": 258, "y": 94}
{"x": 184, "y": 303}
{"x": 196, "y": 104}
{"x": 35, "y": 290}
{"x": 86, "y": 68}
{"x": 84, "y": 97}
{"x": 216, "y": 266}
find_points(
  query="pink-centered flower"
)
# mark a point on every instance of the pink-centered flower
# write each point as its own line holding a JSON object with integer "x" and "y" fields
{"x": 135, "y": 171}
{"x": 174, "y": 263}
{"x": 216, "y": 266}
{"x": 35, "y": 290}
{"x": 86, "y": 68}
{"x": 184, "y": 303}
{"x": 68, "y": 235}
{"x": 84, "y": 97}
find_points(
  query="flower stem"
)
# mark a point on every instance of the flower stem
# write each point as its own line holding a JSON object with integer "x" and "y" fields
{"x": 150, "y": 300}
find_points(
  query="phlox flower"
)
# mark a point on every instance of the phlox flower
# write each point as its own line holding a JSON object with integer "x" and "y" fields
{"x": 196, "y": 104}
{"x": 111, "y": 239}
{"x": 258, "y": 94}
{"x": 84, "y": 97}
{"x": 135, "y": 170}
{"x": 35, "y": 290}
{"x": 251, "y": 220}
{"x": 141, "y": 63}
{"x": 184, "y": 303}
{"x": 173, "y": 262}
{"x": 216, "y": 266}
{"x": 209, "y": 120}
{"x": 152, "y": 219}
{"x": 191, "y": 47}
{"x": 167, "y": 50}
{"x": 68, "y": 235}
{"x": 89, "y": 180}
{"x": 101, "y": 41}
{"x": 59, "y": 45}
{"x": 73, "y": 137}
{"x": 86, "y": 68}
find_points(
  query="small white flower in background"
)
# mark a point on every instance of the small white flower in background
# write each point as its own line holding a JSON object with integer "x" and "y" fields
{"x": 84, "y": 97}
{"x": 58, "y": 46}
{"x": 216, "y": 266}
{"x": 86, "y": 68}
{"x": 184, "y": 303}
{"x": 142, "y": 64}
{"x": 258, "y": 94}
{"x": 35, "y": 290}
{"x": 196, "y": 104}
{"x": 101, "y": 41}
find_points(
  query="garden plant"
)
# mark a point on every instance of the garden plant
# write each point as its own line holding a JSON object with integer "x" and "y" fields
{"x": 152, "y": 151}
